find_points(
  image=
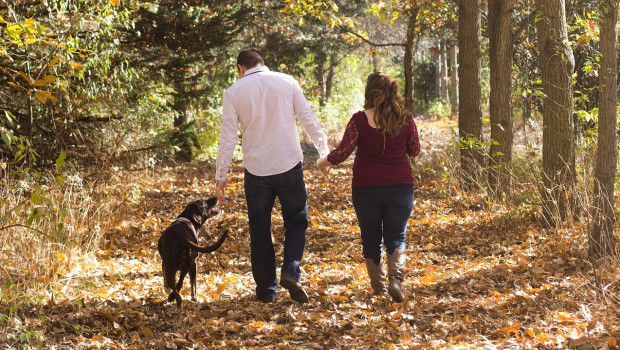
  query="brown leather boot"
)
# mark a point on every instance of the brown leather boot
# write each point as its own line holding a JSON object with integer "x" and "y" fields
{"x": 376, "y": 273}
{"x": 396, "y": 273}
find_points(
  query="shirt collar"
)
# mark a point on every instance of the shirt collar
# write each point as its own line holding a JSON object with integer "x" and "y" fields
{"x": 256, "y": 70}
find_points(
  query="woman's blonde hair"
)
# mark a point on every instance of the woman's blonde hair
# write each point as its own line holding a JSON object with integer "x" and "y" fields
{"x": 383, "y": 94}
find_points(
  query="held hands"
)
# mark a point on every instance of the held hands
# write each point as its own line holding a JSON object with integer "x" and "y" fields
{"x": 324, "y": 165}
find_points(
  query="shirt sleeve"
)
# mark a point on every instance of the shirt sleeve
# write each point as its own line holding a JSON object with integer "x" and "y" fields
{"x": 347, "y": 144}
{"x": 308, "y": 120}
{"x": 413, "y": 142}
{"x": 228, "y": 138}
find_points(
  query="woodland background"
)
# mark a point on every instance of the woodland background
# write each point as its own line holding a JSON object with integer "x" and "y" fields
{"x": 109, "y": 118}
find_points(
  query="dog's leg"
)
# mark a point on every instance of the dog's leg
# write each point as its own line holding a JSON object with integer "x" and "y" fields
{"x": 192, "y": 280}
{"x": 184, "y": 270}
{"x": 163, "y": 269}
{"x": 174, "y": 295}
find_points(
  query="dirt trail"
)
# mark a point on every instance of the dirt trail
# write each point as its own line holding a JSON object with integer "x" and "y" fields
{"x": 477, "y": 276}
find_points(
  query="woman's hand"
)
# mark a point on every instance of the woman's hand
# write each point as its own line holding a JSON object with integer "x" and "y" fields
{"x": 324, "y": 165}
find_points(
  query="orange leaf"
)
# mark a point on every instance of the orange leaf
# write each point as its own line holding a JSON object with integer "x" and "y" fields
{"x": 27, "y": 77}
{"x": 507, "y": 330}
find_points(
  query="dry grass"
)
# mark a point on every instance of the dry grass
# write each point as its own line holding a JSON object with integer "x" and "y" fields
{"x": 70, "y": 221}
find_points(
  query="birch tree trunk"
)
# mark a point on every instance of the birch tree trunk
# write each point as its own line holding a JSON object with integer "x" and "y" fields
{"x": 454, "y": 96}
{"x": 444, "y": 71}
{"x": 408, "y": 64}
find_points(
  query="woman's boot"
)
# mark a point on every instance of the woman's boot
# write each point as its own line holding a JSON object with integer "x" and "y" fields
{"x": 396, "y": 273}
{"x": 377, "y": 276}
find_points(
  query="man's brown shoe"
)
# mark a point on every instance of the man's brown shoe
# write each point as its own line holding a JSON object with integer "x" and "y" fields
{"x": 294, "y": 288}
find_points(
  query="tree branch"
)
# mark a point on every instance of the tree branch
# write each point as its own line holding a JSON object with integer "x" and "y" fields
{"x": 368, "y": 41}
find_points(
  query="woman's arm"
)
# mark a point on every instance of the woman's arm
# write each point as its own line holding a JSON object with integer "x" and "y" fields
{"x": 344, "y": 149}
{"x": 413, "y": 142}
{"x": 347, "y": 144}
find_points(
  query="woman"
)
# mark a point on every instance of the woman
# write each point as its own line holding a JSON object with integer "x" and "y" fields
{"x": 383, "y": 134}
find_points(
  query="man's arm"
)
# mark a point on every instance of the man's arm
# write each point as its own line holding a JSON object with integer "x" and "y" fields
{"x": 308, "y": 121}
{"x": 228, "y": 141}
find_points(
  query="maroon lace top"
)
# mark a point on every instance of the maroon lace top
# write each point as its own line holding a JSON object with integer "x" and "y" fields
{"x": 379, "y": 160}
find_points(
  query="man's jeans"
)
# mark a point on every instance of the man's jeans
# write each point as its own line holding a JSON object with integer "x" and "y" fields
{"x": 260, "y": 193}
{"x": 382, "y": 213}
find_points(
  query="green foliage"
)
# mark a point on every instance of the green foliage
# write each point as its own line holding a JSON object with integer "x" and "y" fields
{"x": 348, "y": 96}
{"x": 438, "y": 109}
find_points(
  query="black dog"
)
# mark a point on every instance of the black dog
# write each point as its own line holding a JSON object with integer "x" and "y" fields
{"x": 178, "y": 246}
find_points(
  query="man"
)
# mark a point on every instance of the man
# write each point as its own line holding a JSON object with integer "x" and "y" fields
{"x": 264, "y": 104}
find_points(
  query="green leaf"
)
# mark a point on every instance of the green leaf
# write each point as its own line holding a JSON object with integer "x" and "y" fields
{"x": 7, "y": 137}
{"x": 60, "y": 161}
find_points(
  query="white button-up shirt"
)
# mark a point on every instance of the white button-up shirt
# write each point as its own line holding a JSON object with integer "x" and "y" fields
{"x": 263, "y": 104}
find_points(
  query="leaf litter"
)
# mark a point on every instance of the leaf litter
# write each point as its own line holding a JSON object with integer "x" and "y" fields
{"x": 477, "y": 277}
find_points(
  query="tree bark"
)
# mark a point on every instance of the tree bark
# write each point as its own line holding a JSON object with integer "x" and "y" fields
{"x": 557, "y": 65}
{"x": 329, "y": 81}
{"x": 438, "y": 72}
{"x": 470, "y": 90}
{"x": 601, "y": 240}
{"x": 319, "y": 75}
{"x": 180, "y": 106}
{"x": 454, "y": 96}
{"x": 444, "y": 71}
{"x": 408, "y": 64}
{"x": 500, "y": 103}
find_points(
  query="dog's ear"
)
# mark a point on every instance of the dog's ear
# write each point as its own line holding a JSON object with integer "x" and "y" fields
{"x": 199, "y": 218}
{"x": 194, "y": 210}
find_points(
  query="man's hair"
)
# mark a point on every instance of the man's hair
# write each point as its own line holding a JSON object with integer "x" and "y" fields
{"x": 250, "y": 58}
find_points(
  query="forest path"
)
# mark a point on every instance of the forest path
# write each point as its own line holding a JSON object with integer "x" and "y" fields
{"x": 477, "y": 276}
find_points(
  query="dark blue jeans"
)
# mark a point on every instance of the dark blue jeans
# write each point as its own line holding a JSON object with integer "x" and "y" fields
{"x": 260, "y": 193}
{"x": 382, "y": 213}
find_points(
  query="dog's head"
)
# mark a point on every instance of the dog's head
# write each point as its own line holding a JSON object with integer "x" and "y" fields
{"x": 203, "y": 209}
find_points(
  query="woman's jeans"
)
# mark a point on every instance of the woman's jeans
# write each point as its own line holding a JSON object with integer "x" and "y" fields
{"x": 382, "y": 213}
{"x": 260, "y": 193}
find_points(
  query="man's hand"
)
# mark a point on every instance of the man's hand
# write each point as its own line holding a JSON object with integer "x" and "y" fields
{"x": 220, "y": 190}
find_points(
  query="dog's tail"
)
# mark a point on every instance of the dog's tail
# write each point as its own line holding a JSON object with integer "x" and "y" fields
{"x": 211, "y": 248}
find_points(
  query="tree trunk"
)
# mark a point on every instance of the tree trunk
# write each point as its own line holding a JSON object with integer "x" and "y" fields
{"x": 438, "y": 73}
{"x": 454, "y": 96}
{"x": 329, "y": 81}
{"x": 180, "y": 107}
{"x": 470, "y": 90}
{"x": 376, "y": 63}
{"x": 602, "y": 240}
{"x": 557, "y": 65}
{"x": 444, "y": 72}
{"x": 319, "y": 75}
{"x": 409, "y": 61}
{"x": 500, "y": 103}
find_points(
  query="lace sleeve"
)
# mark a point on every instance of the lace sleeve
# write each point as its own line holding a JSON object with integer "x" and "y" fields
{"x": 347, "y": 144}
{"x": 413, "y": 143}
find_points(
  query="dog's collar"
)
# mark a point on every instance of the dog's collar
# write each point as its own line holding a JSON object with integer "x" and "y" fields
{"x": 189, "y": 223}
